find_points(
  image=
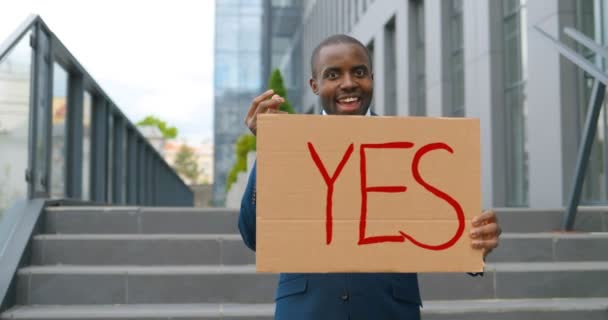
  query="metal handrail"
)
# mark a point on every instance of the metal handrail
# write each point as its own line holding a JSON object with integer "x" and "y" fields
{"x": 584, "y": 40}
{"x": 595, "y": 104}
{"x": 7, "y": 45}
{"x": 155, "y": 184}
{"x": 576, "y": 58}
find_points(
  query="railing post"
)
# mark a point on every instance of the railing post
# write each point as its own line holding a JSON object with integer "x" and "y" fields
{"x": 99, "y": 150}
{"x": 74, "y": 135}
{"x": 132, "y": 168}
{"x": 40, "y": 106}
{"x": 593, "y": 112}
{"x": 118, "y": 157}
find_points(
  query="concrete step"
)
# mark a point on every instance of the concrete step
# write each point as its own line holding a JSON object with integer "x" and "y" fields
{"x": 523, "y": 309}
{"x": 535, "y": 280}
{"x": 140, "y": 220}
{"x": 539, "y": 247}
{"x": 241, "y": 284}
{"x": 144, "y": 311}
{"x": 57, "y": 285}
{"x": 220, "y": 220}
{"x": 207, "y": 249}
{"x": 519, "y": 220}
{"x": 140, "y": 249}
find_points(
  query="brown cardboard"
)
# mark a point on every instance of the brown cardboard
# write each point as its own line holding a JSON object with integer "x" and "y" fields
{"x": 292, "y": 224}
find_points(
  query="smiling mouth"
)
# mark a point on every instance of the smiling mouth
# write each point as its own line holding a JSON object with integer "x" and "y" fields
{"x": 349, "y": 104}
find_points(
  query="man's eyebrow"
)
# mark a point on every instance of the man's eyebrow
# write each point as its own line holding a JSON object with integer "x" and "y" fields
{"x": 360, "y": 66}
{"x": 330, "y": 69}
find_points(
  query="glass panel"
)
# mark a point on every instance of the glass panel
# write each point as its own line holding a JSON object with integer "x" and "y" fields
{"x": 250, "y": 33}
{"x": 226, "y": 75}
{"x": 514, "y": 34}
{"x": 227, "y": 27}
{"x": 510, "y": 6}
{"x": 58, "y": 134}
{"x": 457, "y": 60}
{"x": 418, "y": 107}
{"x": 249, "y": 71}
{"x": 86, "y": 146}
{"x": 390, "y": 102}
{"x": 518, "y": 164}
{"x": 14, "y": 122}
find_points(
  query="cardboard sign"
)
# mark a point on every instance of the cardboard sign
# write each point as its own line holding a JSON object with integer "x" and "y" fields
{"x": 367, "y": 194}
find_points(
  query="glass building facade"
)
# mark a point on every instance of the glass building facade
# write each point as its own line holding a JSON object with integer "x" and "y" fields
{"x": 238, "y": 75}
{"x": 281, "y": 41}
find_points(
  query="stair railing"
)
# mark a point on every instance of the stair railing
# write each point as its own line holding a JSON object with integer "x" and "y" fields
{"x": 125, "y": 168}
{"x": 600, "y": 81}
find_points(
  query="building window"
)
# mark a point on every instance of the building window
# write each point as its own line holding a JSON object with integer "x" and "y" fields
{"x": 417, "y": 59}
{"x": 456, "y": 59}
{"x": 370, "y": 51}
{"x": 514, "y": 62}
{"x": 390, "y": 66}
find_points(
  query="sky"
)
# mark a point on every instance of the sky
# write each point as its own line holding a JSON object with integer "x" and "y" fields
{"x": 152, "y": 57}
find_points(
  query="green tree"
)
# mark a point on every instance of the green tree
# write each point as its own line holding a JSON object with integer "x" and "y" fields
{"x": 168, "y": 132}
{"x": 247, "y": 142}
{"x": 186, "y": 163}
{"x": 276, "y": 84}
{"x": 244, "y": 144}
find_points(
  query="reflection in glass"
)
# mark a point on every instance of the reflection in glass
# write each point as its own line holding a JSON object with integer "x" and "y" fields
{"x": 456, "y": 60}
{"x": 86, "y": 146}
{"x": 418, "y": 74}
{"x": 14, "y": 117}
{"x": 58, "y": 138}
{"x": 515, "y": 52}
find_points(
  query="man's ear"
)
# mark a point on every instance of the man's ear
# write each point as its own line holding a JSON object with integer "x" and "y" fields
{"x": 372, "y": 76}
{"x": 313, "y": 85}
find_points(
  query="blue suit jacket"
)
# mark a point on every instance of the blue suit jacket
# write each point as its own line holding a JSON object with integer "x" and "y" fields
{"x": 335, "y": 296}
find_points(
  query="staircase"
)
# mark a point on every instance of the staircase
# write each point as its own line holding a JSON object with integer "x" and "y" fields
{"x": 141, "y": 263}
{"x": 175, "y": 263}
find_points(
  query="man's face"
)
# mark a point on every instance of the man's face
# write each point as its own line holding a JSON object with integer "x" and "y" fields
{"x": 343, "y": 79}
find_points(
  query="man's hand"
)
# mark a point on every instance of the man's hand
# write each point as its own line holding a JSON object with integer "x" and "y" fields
{"x": 485, "y": 232}
{"x": 262, "y": 104}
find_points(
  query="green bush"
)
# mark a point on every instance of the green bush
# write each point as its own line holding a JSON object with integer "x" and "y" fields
{"x": 247, "y": 142}
{"x": 244, "y": 144}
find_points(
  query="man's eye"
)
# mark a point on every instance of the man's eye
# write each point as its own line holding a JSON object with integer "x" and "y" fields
{"x": 332, "y": 75}
{"x": 360, "y": 73}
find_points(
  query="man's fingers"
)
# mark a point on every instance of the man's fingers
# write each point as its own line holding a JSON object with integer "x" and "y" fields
{"x": 485, "y": 218}
{"x": 276, "y": 111}
{"x": 257, "y": 100}
{"x": 485, "y": 244}
{"x": 486, "y": 231}
{"x": 270, "y": 104}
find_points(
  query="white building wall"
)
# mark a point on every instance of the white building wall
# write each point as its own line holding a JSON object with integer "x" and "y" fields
{"x": 552, "y": 111}
{"x": 484, "y": 93}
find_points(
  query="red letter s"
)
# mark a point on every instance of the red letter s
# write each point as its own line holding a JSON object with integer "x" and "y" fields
{"x": 439, "y": 194}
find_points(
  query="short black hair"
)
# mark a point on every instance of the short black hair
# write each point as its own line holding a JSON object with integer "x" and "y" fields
{"x": 336, "y": 39}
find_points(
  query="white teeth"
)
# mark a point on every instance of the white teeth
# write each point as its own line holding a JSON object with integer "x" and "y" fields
{"x": 350, "y": 99}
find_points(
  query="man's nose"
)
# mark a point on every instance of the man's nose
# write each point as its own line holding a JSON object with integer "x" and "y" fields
{"x": 348, "y": 82}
